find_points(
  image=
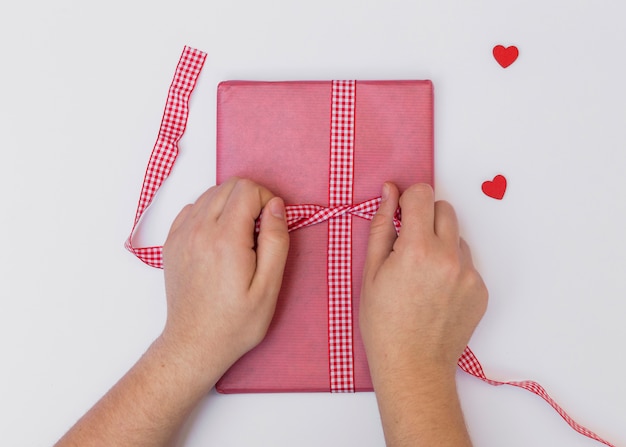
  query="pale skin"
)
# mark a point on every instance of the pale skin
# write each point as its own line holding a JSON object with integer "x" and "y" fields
{"x": 421, "y": 300}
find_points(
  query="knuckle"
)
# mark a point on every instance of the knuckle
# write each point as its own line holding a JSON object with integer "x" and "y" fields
{"x": 379, "y": 223}
{"x": 196, "y": 240}
{"x": 278, "y": 237}
{"x": 474, "y": 283}
{"x": 471, "y": 280}
{"x": 221, "y": 244}
{"x": 245, "y": 184}
{"x": 228, "y": 183}
{"x": 444, "y": 264}
{"x": 201, "y": 238}
{"x": 414, "y": 252}
{"x": 450, "y": 264}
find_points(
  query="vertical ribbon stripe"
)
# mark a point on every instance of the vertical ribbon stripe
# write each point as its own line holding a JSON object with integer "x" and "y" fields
{"x": 341, "y": 360}
{"x": 338, "y": 216}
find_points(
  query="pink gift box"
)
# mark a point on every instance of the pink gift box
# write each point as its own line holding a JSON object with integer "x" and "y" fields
{"x": 278, "y": 134}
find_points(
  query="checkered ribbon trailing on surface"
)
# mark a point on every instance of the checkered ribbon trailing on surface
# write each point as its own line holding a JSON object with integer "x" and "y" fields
{"x": 338, "y": 214}
{"x": 165, "y": 149}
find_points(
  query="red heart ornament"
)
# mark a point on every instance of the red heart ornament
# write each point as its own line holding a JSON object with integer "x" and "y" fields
{"x": 495, "y": 188}
{"x": 505, "y": 56}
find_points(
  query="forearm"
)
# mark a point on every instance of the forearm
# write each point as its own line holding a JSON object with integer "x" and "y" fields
{"x": 147, "y": 406}
{"x": 419, "y": 407}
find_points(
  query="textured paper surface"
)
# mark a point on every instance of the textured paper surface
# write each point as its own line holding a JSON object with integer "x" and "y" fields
{"x": 278, "y": 134}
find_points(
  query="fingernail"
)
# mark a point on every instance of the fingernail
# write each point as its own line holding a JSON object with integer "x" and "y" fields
{"x": 277, "y": 208}
{"x": 385, "y": 192}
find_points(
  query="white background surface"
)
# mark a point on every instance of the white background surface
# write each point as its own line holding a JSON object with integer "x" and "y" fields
{"x": 82, "y": 89}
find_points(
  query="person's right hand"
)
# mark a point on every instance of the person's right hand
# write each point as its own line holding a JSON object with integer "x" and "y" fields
{"x": 420, "y": 302}
{"x": 421, "y": 297}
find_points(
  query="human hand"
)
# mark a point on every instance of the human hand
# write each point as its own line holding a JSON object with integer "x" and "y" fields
{"x": 221, "y": 293}
{"x": 222, "y": 286}
{"x": 421, "y": 297}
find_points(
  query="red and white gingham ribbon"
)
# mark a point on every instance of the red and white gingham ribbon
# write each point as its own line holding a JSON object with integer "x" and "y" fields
{"x": 470, "y": 364}
{"x": 340, "y": 344}
{"x": 298, "y": 216}
{"x": 165, "y": 149}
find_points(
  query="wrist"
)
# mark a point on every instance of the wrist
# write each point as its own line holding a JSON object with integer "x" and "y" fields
{"x": 419, "y": 405}
{"x": 409, "y": 366}
{"x": 190, "y": 361}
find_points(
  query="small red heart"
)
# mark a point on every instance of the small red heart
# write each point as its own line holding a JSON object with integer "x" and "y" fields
{"x": 505, "y": 56}
{"x": 496, "y": 187}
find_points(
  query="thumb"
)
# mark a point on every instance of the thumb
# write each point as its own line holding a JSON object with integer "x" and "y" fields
{"x": 272, "y": 249}
{"x": 382, "y": 231}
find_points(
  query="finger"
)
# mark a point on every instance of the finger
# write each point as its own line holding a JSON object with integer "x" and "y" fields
{"x": 192, "y": 209}
{"x": 211, "y": 203}
{"x": 477, "y": 280}
{"x": 382, "y": 231}
{"x": 182, "y": 216}
{"x": 244, "y": 204}
{"x": 466, "y": 253}
{"x": 272, "y": 249}
{"x": 446, "y": 223}
{"x": 418, "y": 212}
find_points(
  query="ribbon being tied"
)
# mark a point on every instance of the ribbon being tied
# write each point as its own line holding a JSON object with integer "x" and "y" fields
{"x": 338, "y": 214}
{"x": 300, "y": 216}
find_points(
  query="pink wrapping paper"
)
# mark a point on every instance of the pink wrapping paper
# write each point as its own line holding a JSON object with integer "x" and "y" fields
{"x": 278, "y": 134}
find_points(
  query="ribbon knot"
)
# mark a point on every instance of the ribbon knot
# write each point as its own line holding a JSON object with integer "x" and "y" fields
{"x": 300, "y": 216}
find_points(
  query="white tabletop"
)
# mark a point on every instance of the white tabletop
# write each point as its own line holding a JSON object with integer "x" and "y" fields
{"x": 82, "y": 89}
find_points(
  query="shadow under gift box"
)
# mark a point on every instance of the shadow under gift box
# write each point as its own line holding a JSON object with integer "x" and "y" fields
{"x": 278, "y": 134}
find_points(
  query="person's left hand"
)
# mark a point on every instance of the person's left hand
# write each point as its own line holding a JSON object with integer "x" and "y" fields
{"x": 221, "y": 284}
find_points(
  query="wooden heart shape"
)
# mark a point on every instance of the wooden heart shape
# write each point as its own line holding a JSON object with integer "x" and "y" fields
{"x": 495, "y": 188}
{"x": 505, "y": 55}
